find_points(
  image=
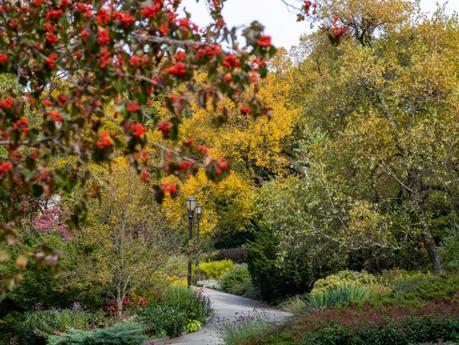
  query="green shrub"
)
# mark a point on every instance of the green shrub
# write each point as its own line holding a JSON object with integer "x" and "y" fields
{"x": 126, "y": 333}
{"x": 276, "y": 279}
{"x": 294, "y": 305}
{"x": 186, "y": 300}
{"x": 11, "y": 327}
{"x": 238, "y": 280}
{"x": 322, "y": 299}
{"x": 41, "y": 285}
{"x": 210, "y": 283}
{"x": 37, "y": 325}
{"x": 402, "y": 281}
{"x": 434, "y": 288}
{"x": 160, "y": 320}
{"x": 215, "y": 269}
{"x": 412, "y": 331}
{"x": 237, "y": 334}
{"x": 450, "y": 247}
{"x": 179, "y": 306}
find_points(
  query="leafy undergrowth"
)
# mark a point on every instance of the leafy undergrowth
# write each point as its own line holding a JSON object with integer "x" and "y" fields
{"x": 422, "y": 311}
{"x": 236, "y": 280}
{"x": 180, "y": 310}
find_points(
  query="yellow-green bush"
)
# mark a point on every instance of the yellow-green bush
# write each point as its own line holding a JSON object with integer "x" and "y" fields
{"x": 345, "y": 278}
{"x": 215, "y": 269}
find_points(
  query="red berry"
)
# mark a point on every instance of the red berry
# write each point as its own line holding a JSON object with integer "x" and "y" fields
{"x": 204, "y": 150}
{"x": 133, "y": 107}
{"x": 103, "y": 38}
{"x": 246, "y": 109}
{"x": 178, "y": 69}
{"x": 165, "y": 127}
{"x": 169, "y": 188}
{"x": 138, "y": 129}
{"x": 264, "y": 41}
{"x": 104, "y": 140}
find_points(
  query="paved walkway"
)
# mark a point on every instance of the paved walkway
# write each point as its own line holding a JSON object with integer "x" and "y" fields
{"x": 227, "y": 309}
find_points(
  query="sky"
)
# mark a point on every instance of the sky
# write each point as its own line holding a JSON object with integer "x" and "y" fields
{"x": 279, "y": 21}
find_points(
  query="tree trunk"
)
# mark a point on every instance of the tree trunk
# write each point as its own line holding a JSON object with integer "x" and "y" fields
{"x": 119, "y": 303}
{"x": 429, "y": 242}
{"x": 430, "y": 245}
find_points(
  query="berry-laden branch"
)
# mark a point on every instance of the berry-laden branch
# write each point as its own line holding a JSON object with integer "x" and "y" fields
{"x": 74, "y": 60}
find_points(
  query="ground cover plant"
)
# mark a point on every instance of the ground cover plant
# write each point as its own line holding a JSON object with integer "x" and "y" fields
{"x": 125, "y": 333}
{"x": 426, "y": 312}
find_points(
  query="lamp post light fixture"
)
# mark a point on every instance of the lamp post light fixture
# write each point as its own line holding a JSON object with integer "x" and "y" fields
{"x": 190, "y": 204}
{"x": 198, "y": 221}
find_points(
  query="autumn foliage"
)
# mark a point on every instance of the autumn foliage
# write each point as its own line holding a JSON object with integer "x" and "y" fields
{"x": 75, "y": 59}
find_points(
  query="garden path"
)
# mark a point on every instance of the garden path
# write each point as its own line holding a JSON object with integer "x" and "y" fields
{"x": 227, "y": 309}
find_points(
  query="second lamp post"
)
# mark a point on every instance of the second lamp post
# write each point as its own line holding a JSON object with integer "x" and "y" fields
{"x": 191, "y": 204}
{"x": 198, "y": 220}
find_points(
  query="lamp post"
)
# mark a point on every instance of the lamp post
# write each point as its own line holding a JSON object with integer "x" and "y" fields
{"x": 198, "y": 221}
{"x": 191, "y": 204}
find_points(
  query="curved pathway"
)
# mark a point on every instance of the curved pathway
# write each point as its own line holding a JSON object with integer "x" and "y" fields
{"x": 227, "y": 309}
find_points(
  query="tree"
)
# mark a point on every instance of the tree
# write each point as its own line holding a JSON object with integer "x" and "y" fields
{"x": 123, "y": 246}
{"x": 257, "y": 150}
{"x": 119, "y": 54}
{"x": 378, "y": 121}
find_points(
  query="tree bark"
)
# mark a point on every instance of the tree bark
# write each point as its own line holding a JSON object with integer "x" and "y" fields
{"x": 429, "y": 242}
{"x": 119, "y": 303}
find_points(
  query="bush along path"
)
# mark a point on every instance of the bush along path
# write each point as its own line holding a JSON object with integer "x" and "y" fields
{"x": 227, "y": 310}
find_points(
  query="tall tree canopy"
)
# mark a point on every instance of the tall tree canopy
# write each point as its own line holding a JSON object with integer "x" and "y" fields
{"x": 380, "y": 120}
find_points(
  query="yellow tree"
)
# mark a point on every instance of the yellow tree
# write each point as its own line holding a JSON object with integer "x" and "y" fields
{"x": 257, "y": 150}
{"x": 380, "y": 116}
{"x": 123, "y": 246}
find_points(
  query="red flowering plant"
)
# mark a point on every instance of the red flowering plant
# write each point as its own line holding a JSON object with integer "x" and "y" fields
{"x": 122, "y": 54}
{"x": 52, "y": 220}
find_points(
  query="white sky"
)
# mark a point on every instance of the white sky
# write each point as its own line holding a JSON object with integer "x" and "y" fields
{"x": 280, "y": 23}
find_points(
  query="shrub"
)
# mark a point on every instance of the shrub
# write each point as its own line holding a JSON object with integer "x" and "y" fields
{"x": 210, "y": 283}
{"x": 42, "y": 286}
{"x": 435, "y": 289}
{"x": 361, "y": 279}
{"x": 403, "y": 281}
{"x": 186, "y": 300}
{"x": 39, "y": 324}
{"x": 179, "y": 306}
{"x": 411, "y": 331}
{"x": 354, "y": 316}
{"x": 237, "y": 280}
{"x": 275, "y": 279}
{"x": 333, "y": 296}
{"x": 215, "y": 269}
{"x": 295, "y": 305}
{"x": 126, "y": 333}
{"x": 450, "y": 247}
{"x": 234, "y": 335}
{"x": 10, "y": 327}
{"x": 163, "y": 319}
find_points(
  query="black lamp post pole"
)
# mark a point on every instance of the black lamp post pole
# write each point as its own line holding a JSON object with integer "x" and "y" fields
{"x": 198, "y": 235}
{"x": 190, "y": 237}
